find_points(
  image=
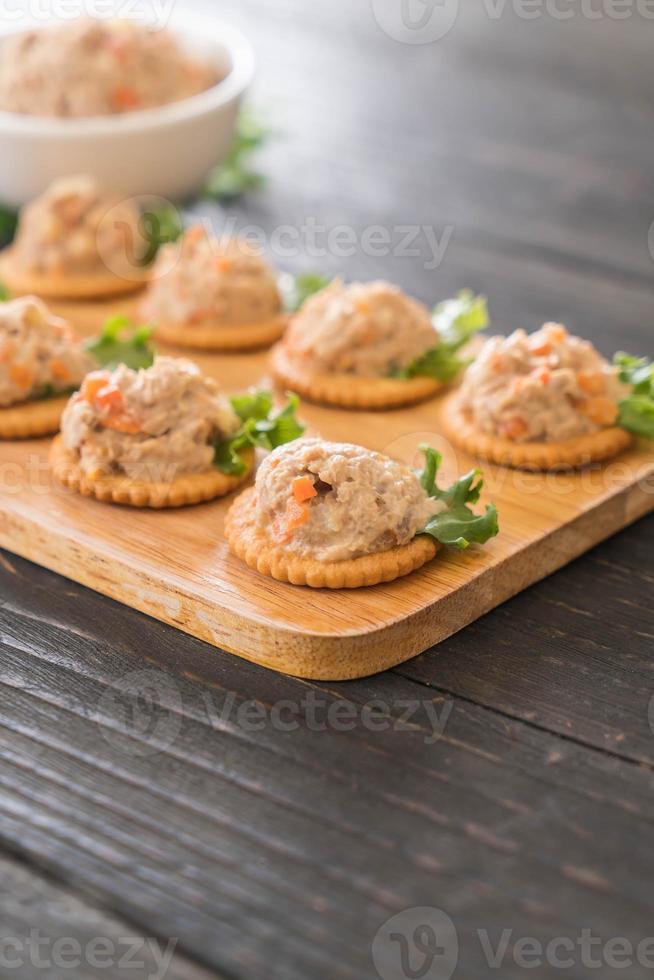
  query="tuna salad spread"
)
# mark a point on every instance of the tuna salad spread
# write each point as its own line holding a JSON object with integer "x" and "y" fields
{"x": 39, "y": 355}
{"x": 201, "y": 280}
{"x": 97, "y": 68}
{"x": 331, "y": 502}
{"x": 369, "y": 330}
{"x": 545, "y": 387}
{"x": 74, "y": 228}
{"x": 153, "y": 424}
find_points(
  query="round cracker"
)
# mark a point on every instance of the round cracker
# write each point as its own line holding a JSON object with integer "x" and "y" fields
{"x": 223, "y": 337}
{"x": 536, "y": 456}
{"x": 29, "y": 420}
{"x": 21, "y": 282}
{"x": 350, "y": 390}
{"x": 251, "y": 546}
{"x": 188, "y": 488}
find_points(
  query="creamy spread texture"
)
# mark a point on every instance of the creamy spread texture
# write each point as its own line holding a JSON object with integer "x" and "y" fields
{"x": 74, "y": 228}
{"x": 97, "y": 68}
{"x": 39, "y": 354}
{"x": 201, "y": 279}
{"x": 152, "y": 424}
{"x": 543, "y": 387}
{"x": 333, "y": 501}
{"x": 366, "y": 329}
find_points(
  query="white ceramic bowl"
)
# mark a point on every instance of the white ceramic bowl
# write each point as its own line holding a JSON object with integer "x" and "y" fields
{"x": 167, "y": 151}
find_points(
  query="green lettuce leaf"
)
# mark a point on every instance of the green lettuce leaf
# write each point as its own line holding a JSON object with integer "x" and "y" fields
{"x": 636, "y": 412}
{"x": 5, "y": 295}
{"x": 296, "y": 290}
{"x": 261, "y": 426}
{"x": 122, "y": 343}
{"x": 457, "y": 320}
{"x": 159, "y": 227}
{"x": 457, "y": 526}
{"x": 8, "y": 225}
{"x": 235, "y": 175}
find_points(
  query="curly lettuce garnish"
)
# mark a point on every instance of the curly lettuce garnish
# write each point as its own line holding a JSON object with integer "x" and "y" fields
{"x": 261, "y": 426}
{"x": 296, "y": 290}
{"x": 5, "y": 295}
{"x": 457, "y": 321}
{"x": 235, "y": 176}
{"x": 121, "y": 342}
{"x": 159, "y": 227}
{"x": 636, "y": 411}
{"x": 457, "y": 526}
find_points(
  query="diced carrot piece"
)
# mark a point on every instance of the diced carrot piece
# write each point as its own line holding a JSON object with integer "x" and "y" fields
{"x": 496, "y": 363}
{"x": 109, "y": 398}
{"x": 21, "y": 375}
{"x": 303, "y": 489}
{"x": 93, "y": 383}
{"x": 540, "y": 348}
{"x": 294, "y": 517}
{"x": 601, "y": 411}
{"x": 125, "y": 97}
{"x": 122, "y": 423}
{"x": 223, "y": 263}
{"x": 59, "y": 369}
{"x": 556, "y": 332}
{"x": 592, "y": 382}
{"x": 543, "y": 375}
{"x": 515, "y": 427}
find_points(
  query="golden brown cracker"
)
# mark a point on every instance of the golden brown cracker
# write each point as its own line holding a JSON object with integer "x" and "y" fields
{"x": 251, "y": 546}
{"x": 349, "y": 390}
{"x": 222, "y": 337}
{"x": 21, "y": 282}
{"x": 29, "y": 420}
{"x": 537, "y": 456}
{"x": 188, "y": 488}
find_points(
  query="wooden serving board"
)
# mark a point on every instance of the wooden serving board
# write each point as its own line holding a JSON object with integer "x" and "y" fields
{"x": 175, "y": 565}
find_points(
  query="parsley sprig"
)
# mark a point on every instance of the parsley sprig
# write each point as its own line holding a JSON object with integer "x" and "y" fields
{"x": 457, "y": 525}
{"x": 636, "y": 411}
{"x": 457, "y": 321}
{"x": 261, "y": 425}
{"x": 121, "y": 342}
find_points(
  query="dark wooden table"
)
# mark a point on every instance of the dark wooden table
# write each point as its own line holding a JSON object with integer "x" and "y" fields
{"x": 140, "y": 798}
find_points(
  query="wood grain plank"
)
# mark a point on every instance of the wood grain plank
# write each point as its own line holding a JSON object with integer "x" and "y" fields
{"x": 305, "y": 834}
{"x": 76, "y": 937}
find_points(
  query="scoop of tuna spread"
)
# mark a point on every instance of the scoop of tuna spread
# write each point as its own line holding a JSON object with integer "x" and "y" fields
{"x": 97, "y": 68}
{"x": 152, "y": 424}
{"x": 201, "y": 279}
{"x": 332, "y": 501}
{"x": 543, "y": 387}
{"x": 74, "y": 228}
{"x": 367, "y": 329}
{"x": 39, "y": 354}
